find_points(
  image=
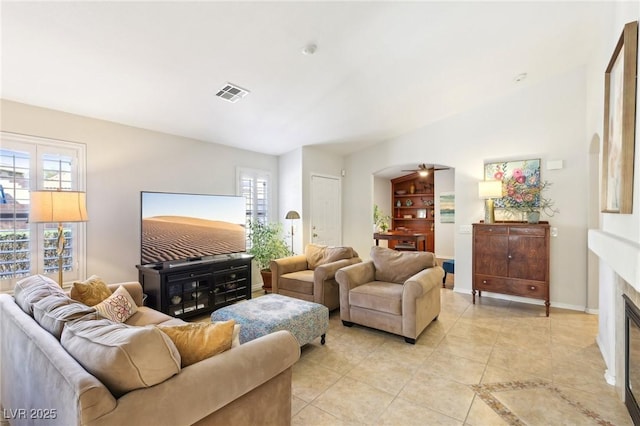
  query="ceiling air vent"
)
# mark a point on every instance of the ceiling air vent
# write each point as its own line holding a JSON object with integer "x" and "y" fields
{"x": 232, "y": 93}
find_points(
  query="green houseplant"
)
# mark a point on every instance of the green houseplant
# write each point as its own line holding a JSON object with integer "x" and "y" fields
{"x": 267, "y": 244}
{"x": 380, "y": 220}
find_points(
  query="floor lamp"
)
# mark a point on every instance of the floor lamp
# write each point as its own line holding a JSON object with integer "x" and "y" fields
{"x": 489, "y": 189}
{"x": 292, "y": 214}
{"x": 58, "y": 206}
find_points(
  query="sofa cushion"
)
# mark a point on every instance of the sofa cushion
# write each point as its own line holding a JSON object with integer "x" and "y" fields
{"x": 90, "y": 291}
{"x": 398, "y": 266}
{"x": 314, "y": 254}
{"x": 118, "y": 307}
{"x": 122, "y": 357}
{"x": 147, "y": 316}
{"x": 300, "y": 282}
{"x": 30, "y": 290}
{"x": 317, "y": 254}
{"x": 54, "y": 312}
{"x": 197, "y": 341}
{"x": 378, "y": 296}
{"x": 338, "y": 253}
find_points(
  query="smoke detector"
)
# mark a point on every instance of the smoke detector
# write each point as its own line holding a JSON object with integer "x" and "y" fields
{"x": 232, "y": 93}
{"x": 309, "y": 49}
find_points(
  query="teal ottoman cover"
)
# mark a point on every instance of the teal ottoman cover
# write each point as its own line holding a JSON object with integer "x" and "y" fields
{"x": 273, "y": 312}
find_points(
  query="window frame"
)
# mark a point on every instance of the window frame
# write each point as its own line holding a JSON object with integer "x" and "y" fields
{"x": 38, "y": 148}
{"x": 255, "y": 175}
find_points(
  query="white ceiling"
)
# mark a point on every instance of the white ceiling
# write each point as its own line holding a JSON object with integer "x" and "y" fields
{"x": 381, "y": 68}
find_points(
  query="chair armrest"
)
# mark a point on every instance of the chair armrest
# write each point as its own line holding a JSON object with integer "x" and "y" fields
{"x": 286, "y": 265}
{"x": 133, "y": 287}
{"x": 424, "y": 281}
{"x": 349, "y": 278}
{"x": 328, "y": 270}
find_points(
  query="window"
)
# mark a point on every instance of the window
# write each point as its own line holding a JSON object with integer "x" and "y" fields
{"x": 26, "y": 164}
{"x": 255, "y": 187}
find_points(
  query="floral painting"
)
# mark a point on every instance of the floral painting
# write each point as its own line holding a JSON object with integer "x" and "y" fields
{"x": 520, "y": 183}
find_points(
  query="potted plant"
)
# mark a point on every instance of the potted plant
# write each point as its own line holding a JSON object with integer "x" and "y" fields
{"x": 380, "y": 220}
{"x": 267, "y": 244}
{"x": 527, "y": 200}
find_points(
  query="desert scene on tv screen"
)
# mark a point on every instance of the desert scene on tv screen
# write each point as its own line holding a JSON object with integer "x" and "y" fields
{"x": 167, "y": 238}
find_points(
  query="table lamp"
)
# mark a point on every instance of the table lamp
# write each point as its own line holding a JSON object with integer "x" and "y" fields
{"x": 58, "y": 206}
{"x": 292, "y": 214}
{"x": 489, "y": 189}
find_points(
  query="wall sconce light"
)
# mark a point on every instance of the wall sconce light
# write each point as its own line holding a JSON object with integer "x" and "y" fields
{"x": 488, "y": 190}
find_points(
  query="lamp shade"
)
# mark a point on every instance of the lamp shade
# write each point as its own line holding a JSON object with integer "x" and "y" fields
{"x": 292, "y": 214}
{"x": 58, "y": 206}
{"x": 490, "y": 189}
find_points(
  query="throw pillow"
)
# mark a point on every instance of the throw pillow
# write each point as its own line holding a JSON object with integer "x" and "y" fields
{"x": 197, "y": 341}
{"x": 28, "y": 291}
{"x": 54, "y": 312}
{"x": 398, "y": 266}
{"x": 314, "y": 254}
{"x": 90, "y": 291}
{"x": 235, "y": 337}
{"x": 333, "y": 254}
{"x": 122, "y": 357}
{"x": 118, "y": 307}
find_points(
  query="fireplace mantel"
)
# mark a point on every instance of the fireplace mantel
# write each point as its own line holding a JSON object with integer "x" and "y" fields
{"x": 619, "y": 274}
{"x": 623, "y": 256}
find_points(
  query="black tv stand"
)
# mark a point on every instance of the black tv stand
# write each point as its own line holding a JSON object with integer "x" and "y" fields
{"x": 188, "y": 288}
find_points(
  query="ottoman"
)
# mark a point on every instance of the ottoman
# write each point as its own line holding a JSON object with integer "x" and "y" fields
{"x": 449, "y": 266}
{"x": 273, "y": 312}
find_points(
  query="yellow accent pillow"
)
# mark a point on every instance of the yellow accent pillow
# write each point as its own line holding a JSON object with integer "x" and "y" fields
{"x": 90, "y": 291}
{"x": 198, "y": 340}
{"x": 118, "y": 307}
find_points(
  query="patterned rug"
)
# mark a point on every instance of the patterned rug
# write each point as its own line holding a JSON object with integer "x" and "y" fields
{"x": 490, "y": 394}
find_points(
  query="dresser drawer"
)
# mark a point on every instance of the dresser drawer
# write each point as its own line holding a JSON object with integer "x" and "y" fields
{"x": 491, "y": 229}
{"x": 523, "y": 288}
{"x": 534, "y": 231}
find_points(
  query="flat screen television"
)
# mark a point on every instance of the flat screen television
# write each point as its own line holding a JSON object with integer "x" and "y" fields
{"x": 190, "y": 227}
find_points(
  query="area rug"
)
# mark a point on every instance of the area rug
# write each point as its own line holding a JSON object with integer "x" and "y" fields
{"x": 491, "y": 394}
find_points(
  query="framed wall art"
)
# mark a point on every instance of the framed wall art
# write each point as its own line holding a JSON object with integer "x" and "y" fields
{"x": 619, "y": 124}
{"x": 520, "y": 182}
{"x": 447, "y": 207}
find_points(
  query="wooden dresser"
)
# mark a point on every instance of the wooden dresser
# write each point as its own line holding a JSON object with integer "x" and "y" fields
{"x": 511, "y": 258}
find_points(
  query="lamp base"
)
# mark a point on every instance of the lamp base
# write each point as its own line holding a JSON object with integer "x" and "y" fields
{"x": 489, "y": 216}
{"x": 60, "y": 252}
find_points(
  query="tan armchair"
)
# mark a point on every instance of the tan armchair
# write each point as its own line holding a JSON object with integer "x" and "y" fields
{"x": 398, "y": 292}
{"x": 311, "y": 276}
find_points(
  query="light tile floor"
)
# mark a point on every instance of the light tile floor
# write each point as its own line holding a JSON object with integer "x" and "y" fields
{"x": 474, "y": 362}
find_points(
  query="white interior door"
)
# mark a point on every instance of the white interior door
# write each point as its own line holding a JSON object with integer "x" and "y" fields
{"x": 326, "y": 210}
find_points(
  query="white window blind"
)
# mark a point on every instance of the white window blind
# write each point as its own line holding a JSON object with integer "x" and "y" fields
{"x": 255, "y": 187}
{"x": 29, "y": 164}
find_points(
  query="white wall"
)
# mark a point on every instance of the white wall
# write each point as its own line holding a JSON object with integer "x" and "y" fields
{"x": 544, "y": 120}
{"x": 618, "y": 236}
{"x": 290, "y": 166}
{"x": 626, "y": 226}
{"x": 444, "y": 181}
{"x": 121, "y": 162}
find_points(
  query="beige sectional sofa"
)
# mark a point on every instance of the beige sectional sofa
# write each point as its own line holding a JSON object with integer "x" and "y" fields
{"x": 41, "y": 383}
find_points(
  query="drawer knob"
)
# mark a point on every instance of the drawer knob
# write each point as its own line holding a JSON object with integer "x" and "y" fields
{"x": 510, "y": 257}
{"x": 533, "y": 287}
{"x": 484, "y": 281}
